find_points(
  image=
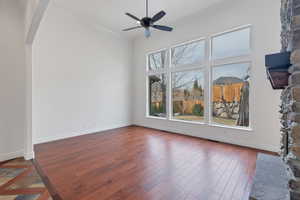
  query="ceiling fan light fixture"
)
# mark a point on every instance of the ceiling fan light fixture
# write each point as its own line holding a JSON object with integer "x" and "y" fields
{"x": 147, "y": 33}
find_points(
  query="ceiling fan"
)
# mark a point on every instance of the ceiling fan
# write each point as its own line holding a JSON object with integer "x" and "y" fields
{"x": 148, "y": 22}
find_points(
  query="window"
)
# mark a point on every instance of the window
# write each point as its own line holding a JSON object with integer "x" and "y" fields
{"x": 157, "y": 84}
{"x": 188, "y": 95}
{"x": 230, "y": 102}
{"x": 157, "y": 95}
{"x": 185, "y": 83}
{"x": 188, "y": 82}
{"x": 157, "y": 60}
{"x": 231, "y": 82}
{"x": 191, "y": 53}
{"x": 236, "y": 43}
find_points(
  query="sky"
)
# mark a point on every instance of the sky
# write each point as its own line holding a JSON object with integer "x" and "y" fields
{"x": 231, "y": 44}
{"x": 189, "y": 78}
{"x": 234, "y": 70}
{"x": 189, "y": 53}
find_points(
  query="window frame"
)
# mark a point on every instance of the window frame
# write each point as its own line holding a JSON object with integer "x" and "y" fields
{"x": 156, "y": 72}
{"x": 181, "y": 68}
{"x": 231, "y": 31}
{"x": 211, "y": 122}
{"x": 206, "y": 67}
{"x": 227, "y": 61}
{"x": 162, "y": 70}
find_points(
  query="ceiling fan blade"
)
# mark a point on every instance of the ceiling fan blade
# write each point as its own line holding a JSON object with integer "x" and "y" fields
{"x": 132, "y": 16}
{"x": 132, "y": 28}
{"x": 162, "y": 28}
{"x": 147, "y": 32}
{"x": 158, "y": 16}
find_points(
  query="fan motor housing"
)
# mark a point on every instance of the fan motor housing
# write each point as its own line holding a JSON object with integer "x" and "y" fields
{"x": 146, "y": 22}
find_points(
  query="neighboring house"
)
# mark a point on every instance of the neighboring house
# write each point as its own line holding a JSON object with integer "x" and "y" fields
{"x": 228, "y": 88}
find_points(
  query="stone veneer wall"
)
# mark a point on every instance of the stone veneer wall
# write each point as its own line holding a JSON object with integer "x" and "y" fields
{"x": 290, "y": 107}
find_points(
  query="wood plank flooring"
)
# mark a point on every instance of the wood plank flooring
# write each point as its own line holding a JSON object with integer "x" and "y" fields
{"x": 136, "y": 163}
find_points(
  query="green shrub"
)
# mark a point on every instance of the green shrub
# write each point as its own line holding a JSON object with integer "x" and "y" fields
{"x": 198, "y": 110}
{"x": 154, "y": 110}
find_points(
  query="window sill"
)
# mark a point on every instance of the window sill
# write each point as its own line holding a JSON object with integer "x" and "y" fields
{"x": 248, "y": 129}
{"x": 231, "y": 127}
{"x": 153, "y": 117}
{"x": 188, "y": 122}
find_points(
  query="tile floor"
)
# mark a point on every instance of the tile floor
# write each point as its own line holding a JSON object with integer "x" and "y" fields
{"x": 20, "y": 181}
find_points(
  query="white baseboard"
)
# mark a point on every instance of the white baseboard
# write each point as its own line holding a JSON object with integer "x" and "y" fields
{"x": 78, "y": 133}
{"x": 265, "y": 147}
{"x": 11, "y": 155}
{"x": 74, "y": 134}
{"x": 29, "y": 156}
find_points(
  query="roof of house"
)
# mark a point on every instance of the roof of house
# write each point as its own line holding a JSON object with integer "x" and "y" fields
{"x": 227, "y": 80}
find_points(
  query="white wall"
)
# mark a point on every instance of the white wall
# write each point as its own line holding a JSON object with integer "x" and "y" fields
{"x": 81, "y": 78}
{"x": 12, "y": 79}
{"x": 35, "y": 10}
{"x": 265, "y": 19}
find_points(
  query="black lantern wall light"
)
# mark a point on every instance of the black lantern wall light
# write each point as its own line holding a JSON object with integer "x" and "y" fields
{"x": 277, "y": 66}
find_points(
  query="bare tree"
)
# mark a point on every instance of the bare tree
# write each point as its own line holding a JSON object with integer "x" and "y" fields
{"x": 183, "y": 53}
{"x": 243, "y": 119}
{"x": 179, "y": 80}
{"x": 158, "y": 61}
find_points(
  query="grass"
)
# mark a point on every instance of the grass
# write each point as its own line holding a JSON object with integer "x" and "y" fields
{"x": 222, "y": 121}
{"x": 228, "y": 122}
{"x": 190, "y": 118}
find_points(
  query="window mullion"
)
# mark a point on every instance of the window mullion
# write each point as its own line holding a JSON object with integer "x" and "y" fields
{"x": 169, "y": 86}
{"x": 188, "y": 67}
{"x": 207, "y": 85}
{"x": 231, "y": 60}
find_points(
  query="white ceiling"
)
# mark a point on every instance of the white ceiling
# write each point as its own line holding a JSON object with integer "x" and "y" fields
{"x": 110, "y": 14}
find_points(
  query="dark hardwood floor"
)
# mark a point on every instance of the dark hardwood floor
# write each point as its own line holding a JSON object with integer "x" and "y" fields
{"x": 138, "y": 163}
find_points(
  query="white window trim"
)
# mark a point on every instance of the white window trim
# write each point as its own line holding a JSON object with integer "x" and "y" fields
{"x": 206, "y": 67}
{"x": 227, "y": 61}
{"x": 250, "y": 100}
{"x": 147, "y": 96}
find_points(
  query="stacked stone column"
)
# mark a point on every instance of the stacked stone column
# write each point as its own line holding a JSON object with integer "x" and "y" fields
{"x": 290, "y": 107}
